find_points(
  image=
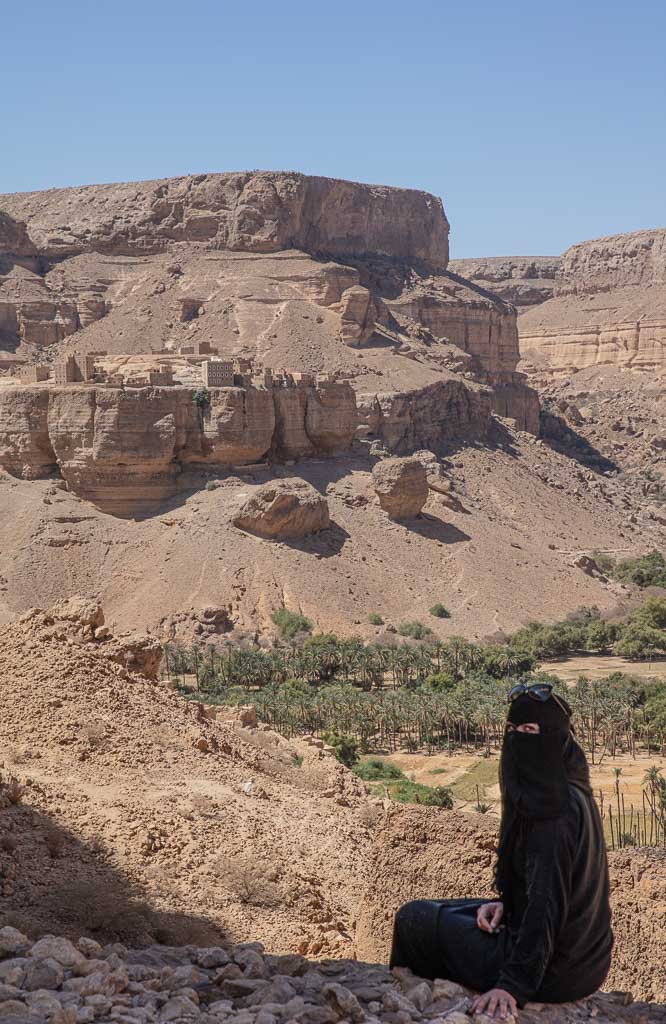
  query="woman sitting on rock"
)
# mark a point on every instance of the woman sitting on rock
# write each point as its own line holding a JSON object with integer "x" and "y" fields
{"x": 549, "y": 936}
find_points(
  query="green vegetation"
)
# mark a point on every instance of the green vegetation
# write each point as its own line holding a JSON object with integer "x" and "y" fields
{"x": 440, "y": 611}
{"x": 416, "y": 630}
{"x": 387, "y": 776}
{"x": 432, "y": 694}
{"x": 346, "y": 747}
{"x": 291, "y": 624}
{"x": 481, "y": 775}
{"x": 647, "y": 570}
{"x": 375, "y": 619}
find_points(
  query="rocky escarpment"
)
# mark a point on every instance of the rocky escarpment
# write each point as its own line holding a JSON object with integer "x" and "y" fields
{"x": 125, "y": 450}
{"x": 256, "y": 211}
{"x": 608, "y": 308}
{"x": 521, "y": 280}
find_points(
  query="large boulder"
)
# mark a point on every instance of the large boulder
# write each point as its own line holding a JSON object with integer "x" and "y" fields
{"x": 284, "y": 509}
{"x": 401, "y": 486}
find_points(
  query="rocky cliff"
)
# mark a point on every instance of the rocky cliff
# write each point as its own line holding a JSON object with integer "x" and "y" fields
{"x": 608, "y": 308}
{"x": 522, "y": 280}
{"x": 255, "y": 211}
{"x": 125, "y": 450}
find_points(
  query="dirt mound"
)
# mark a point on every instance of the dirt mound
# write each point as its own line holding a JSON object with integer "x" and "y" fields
{"x": 131, "y": 795}
{"x": 422, "y": 853}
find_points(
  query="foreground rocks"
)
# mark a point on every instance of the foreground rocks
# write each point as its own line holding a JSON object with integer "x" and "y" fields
{"x": 284, "y": 509}
{"x": 54, "y": 981}
{"x": 401, "y": 486}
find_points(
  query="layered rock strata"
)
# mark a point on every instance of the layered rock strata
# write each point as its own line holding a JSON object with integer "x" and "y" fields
{"x": 608, "y": 308}
{"x": 125, "y": 450}
{"x": 256, "y": 211}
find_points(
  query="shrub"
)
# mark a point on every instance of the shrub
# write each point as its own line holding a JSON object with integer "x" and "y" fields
{"x": 376, "y": 770}
{"x": 416, "y": 630}
{"x": 375, "y": 619}
{"x": 645, "y": 571}
{"x": 212, "y": 485}
{"x": 346, "y": 747}
{"x": 417, "y": 793}
{"x": 290, "y": 624}
{"x": 440, "y": 611}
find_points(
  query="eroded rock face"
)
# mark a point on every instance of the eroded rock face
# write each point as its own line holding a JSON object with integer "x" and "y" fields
{"x": 26, "y": 449}
{"x": 608, "y": 308}
{"x": 284, "y": 509}
{"x": 260, "y": 211}
{"x": 617, "y": 261}
{"x": 401, "y": 486}
{"x": 125, "y": 450}
{"x": 521, "y": 280}
{"x": 428, "y": 417}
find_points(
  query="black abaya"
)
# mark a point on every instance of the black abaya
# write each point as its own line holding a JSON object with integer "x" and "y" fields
{"x": 557, "y": 939}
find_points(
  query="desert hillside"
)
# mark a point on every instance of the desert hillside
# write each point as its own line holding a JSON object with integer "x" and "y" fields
{"x": 354, "y": 342}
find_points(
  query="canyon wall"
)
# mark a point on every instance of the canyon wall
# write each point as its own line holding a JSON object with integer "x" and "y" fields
{"x": 125, "y": 450}
{"x": 521, "y": 280}
{"x": 608, "y": 308}
{"x": 257, "y": 211}
{"x": 618, "y": 261}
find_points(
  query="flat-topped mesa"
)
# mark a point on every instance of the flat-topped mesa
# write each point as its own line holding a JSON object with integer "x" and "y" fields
{"x": 255, "y": 211}
{"x": 617, "y": 261}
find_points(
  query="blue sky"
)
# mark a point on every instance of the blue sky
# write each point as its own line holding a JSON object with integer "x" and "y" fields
{"x": 539, "y": 124}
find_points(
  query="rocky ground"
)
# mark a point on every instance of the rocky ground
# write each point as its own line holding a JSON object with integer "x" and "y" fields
{"x": 129, "y": 814}
{"x": 54, "y": 981}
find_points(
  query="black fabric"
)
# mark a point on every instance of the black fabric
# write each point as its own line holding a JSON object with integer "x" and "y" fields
{"x": 557, "y": 940}
{"x": 552, "y": 714}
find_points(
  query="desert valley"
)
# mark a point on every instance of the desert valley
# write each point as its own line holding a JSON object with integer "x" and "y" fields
{"x": 290, "y": 499}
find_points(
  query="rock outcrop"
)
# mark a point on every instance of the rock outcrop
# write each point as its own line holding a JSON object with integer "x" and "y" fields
{"x": 521, "y": 280}
{"x": 608, "y": 308}
{"x": 125, "y": 450}
{"x": 284, "y": 509}
{"x": 401, "y": 486}
{"x": 428, "y": 417}
{"x": 255, "y": 211}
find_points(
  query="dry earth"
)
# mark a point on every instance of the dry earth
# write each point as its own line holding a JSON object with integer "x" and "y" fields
{"x": 141, "y": 818}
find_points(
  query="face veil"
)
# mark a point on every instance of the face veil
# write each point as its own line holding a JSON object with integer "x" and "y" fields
{"x": 535, "y": 772}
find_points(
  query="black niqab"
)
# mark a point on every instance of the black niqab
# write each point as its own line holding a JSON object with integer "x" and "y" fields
{"x": 535, "y": 772}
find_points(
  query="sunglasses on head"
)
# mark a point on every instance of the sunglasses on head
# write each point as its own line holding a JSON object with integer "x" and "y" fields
{"x": 537, "y": 691}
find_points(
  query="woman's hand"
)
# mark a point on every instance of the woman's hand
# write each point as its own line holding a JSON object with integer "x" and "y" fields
{"x": 497, "y": 1002}
{"x": 489, "y": 915}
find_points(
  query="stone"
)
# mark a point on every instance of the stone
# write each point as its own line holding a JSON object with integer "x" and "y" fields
{"x": 12, "y": 972}
{"x": 215, "y": 956}
{"x": 420, "y": 995}
{"x": 58, "y": 949}
{"x": 343, "y": 1002}
{"x": 89, "y": 947}
{"x": 284, "y": 509}
{"x": 12, "y": 942}
{"x": 401, "y": 486}
{"x": 177, "y": 1008}
{"x": 44, "y": 973}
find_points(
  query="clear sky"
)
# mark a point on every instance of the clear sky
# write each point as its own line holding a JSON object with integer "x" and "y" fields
{"x": 539, "y": 124}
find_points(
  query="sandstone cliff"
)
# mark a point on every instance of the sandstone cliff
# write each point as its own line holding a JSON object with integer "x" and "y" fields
{"x": 125, "y": 450}
{"x": 522, "y": 280}
{"x": 255, "y": 211}
{"x": 608, "y": 308}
